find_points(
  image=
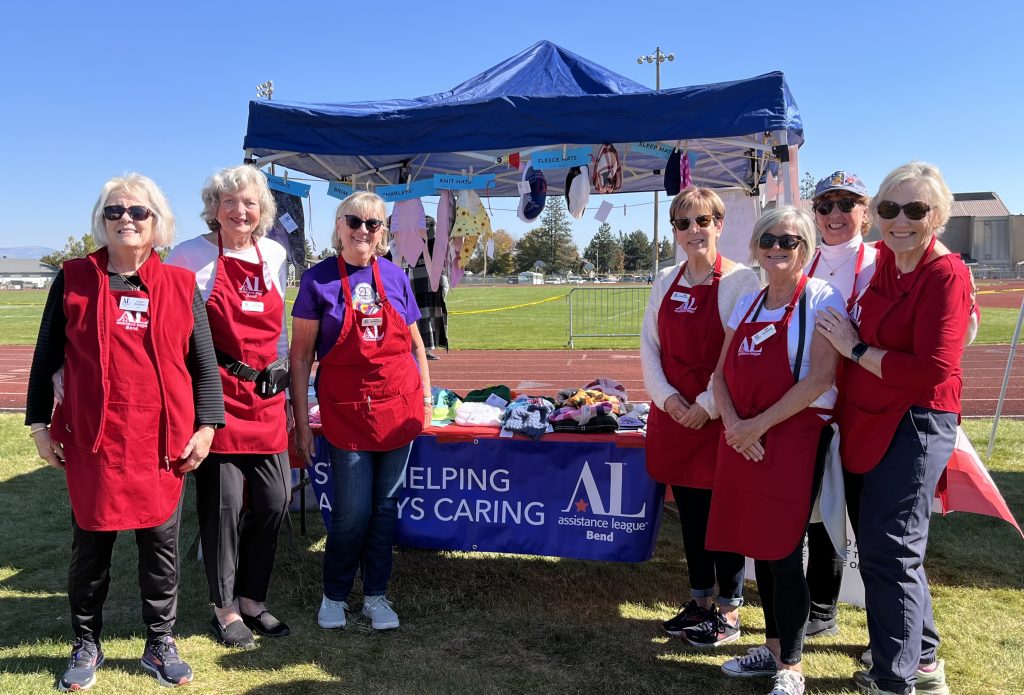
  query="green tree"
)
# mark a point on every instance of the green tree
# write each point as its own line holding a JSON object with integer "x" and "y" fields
{"x": 667, "y": 252}
{"x": 636, "y": 250}
{"x": 75, "y": 248}
{"x": 604, "y": 250}
{"x": 551, "y": 242}
{"x": 503, "y": 261}
{"x": 326, "y": 251}
{"x": 807, "y": 182}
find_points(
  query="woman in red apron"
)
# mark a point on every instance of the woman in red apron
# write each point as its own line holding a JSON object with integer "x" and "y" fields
{"x": 898, "y": 417}
{"x": 242, "y": 493}
{"x": 680, "y": 345}
{"x": 130, "y": 340}
{"x": 774, "y": 389}
{"x": 357, "y": 313}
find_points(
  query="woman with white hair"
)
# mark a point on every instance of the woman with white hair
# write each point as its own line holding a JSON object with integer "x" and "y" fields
{"x": 357, "y": 313}
{"x": 136, "y": 409}
{"x": 774, "y": 390}
{"x": 898, "y": 416}
{"x": 242, "y": 493}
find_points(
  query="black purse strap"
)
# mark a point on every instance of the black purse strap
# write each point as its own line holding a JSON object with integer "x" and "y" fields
{"x": 800, "y": 341}
{"x": 235, "y": 367}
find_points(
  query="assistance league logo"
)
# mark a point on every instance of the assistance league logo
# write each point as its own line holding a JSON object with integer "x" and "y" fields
{"x": 602, "y": 516}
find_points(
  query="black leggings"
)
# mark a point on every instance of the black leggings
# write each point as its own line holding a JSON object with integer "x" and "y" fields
{"x": 706, "y": 568}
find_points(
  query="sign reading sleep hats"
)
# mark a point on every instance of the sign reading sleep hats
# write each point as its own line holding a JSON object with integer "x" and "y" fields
{"x": 531, "y": 203}
{"x": 841, "y": 181}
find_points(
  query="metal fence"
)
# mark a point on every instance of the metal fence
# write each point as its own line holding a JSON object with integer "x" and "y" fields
{"x": 606, "y": 312}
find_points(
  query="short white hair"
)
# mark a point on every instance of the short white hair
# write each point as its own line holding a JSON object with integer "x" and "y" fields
{"x": 143, "y": 188}
{"x": 940, "y": 199}
{"x": 232, "y": 180}
{"x": 364, "y": 204}
{"x": 803, "y": 224}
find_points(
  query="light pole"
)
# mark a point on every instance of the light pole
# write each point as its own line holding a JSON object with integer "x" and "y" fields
{"x": 657, "y": 58}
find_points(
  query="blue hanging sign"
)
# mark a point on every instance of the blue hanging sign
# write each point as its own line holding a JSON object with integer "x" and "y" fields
{"x": 655, "y": 149}
{"x": 586, "y": 500}
{"x": 553, "y": 159}
{"x": 277, "y": 183}
{"x": 339, "y": 190}
{"x": 458, "y": 182}
{"x": 406, "y": 191}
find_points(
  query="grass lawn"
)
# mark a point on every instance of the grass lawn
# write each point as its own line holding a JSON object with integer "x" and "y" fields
{"x": 475, "y": 623}
{"x": 506, "y": 317}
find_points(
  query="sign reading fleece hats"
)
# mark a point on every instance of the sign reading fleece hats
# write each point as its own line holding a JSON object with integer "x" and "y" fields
{"x": 577, "y": 190}
{"x": 841, "y": 181}
{"x": 532, "y": 204}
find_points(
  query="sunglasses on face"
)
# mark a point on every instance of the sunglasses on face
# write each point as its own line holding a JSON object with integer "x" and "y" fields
{"x": 787, "y": 242}
{"x": 138, "y": 213}
{"x": 354, "y": 222}
{"x": 888, "y": 210}
{"x": 845, "y": 205}
{"x": 702, "y": 221}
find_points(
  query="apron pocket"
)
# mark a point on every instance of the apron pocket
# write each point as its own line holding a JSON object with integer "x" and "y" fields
{"x": 131, "y": 436}
{"x": 374, "y": 424}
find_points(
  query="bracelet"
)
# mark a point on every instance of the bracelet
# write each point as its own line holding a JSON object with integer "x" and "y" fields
{"x": 428, "y": 401}
{"x": 32, "y": 433}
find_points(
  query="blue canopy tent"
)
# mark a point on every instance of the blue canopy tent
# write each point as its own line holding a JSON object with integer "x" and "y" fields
{"x": 541, "y": 98}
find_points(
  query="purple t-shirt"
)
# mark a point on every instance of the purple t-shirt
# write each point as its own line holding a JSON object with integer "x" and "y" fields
{"x": 321, "y": 298}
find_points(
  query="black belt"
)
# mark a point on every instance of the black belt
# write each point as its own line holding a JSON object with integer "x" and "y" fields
{"x": 236, "y": 367}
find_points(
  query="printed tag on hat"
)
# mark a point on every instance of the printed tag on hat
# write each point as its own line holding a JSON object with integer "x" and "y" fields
{"x": 372, "y": 321}
{"x": 603, "y": 211}
{"x": 763, "y": 334}
{"x": 134, "y": 304}
{"x": 255, "y": 307}
{"x": 337, "y": 189}
{"x": 653, "y": 148}
{"x": 496, "y": 400}
{"x": 523, "y": 186}
{"x": 287, "y": 222}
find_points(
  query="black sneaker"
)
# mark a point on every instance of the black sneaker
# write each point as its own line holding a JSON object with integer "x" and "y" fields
{"x": 86, "y": 657}
{"x": 690, "y": 616}
{"x": 821, "y": 627}
{"x": 713, "y": 632}
{"x": 162, "y": 660}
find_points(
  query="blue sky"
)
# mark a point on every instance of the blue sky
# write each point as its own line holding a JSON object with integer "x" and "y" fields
{"x": 92, "y": 90}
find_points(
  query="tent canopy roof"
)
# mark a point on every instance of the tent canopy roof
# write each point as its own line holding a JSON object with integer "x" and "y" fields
{"x": 544, "y": 97}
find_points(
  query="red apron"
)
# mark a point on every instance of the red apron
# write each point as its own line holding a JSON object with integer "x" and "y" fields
{"x": 691, "y": 335}
{"x": 760, "y": 508}
{"x": 870, "y": 409}
{"x": 369, "y": 388}
{"x": 125, "y": 485}
{"x": 246, "y": 312}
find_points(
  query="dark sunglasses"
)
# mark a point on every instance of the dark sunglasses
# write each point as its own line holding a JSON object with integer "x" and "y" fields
{"x": 355, "y": 222}
{"x": 683, "y": 223}
{"x": 138, "y": 213}
{"x": 845, "y": 205}
{"x": 787, "y": 242}
{"x": 888, "y": 210}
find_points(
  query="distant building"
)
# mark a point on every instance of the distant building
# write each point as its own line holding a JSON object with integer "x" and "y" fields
{"x": 980, "y": 229}
{"x": 19, "y": 273}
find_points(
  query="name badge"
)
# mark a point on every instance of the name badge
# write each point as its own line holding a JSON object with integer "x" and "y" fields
{"x": 252, "y": 306}
{"x": 134, "y": 304}
{"x": 680, "y": 297}
{"x": 373, "y": 321}
{"x": 763, "y": 334}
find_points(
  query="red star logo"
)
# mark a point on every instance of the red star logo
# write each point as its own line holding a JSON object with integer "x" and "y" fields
{"x": 581, "y": 506}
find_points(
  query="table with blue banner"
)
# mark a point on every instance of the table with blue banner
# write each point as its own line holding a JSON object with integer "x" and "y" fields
{"x": 585, "y": 496}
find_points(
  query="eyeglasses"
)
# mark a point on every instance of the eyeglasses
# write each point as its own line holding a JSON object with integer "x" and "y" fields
{"x": 683, "y": 223}
{"x": 355, "y": 222}
{"x": 844, "y": 205}
{"x": 888, "y": 210}
{"x": 138, "y": 213}
{"x": 787, "y": 242}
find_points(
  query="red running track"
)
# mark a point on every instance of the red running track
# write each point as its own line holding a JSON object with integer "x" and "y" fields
{"x": 544, "y": 372}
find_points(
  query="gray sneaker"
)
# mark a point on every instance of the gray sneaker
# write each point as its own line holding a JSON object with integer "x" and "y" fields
{"x": 757, "y": 662}
{"x": 378, "y": 610}
{"x": 331, "y": 614}
{"x": 788, "y": 683}
{"x": 928, "y": 682}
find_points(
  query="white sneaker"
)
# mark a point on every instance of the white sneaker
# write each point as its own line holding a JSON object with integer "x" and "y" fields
{"x": 378, "y": 610}
{"x": 332, "y": 613}
{"x": 788, "y": 683}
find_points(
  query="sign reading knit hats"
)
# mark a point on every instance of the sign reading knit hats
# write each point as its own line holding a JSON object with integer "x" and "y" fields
{"x": 841, "y": 181}
{"x": 577, "y": 190}
{"x": 532, "y": 204}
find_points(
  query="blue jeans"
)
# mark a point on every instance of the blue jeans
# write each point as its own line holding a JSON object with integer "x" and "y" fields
{"x": 363, "y": 519}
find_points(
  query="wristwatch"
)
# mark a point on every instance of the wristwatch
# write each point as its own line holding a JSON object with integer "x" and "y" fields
{"x": 858, "y": 351}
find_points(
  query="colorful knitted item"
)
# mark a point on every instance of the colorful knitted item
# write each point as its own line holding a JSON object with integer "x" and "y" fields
{"x": 591, "y": 397}
{"x": 601, "y": 423}
{"x": 583, "y": 414}
{"x": 608, "y": 386}
{"x": 528, "y": 416}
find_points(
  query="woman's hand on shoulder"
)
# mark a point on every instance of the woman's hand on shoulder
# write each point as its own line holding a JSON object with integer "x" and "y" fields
{"x": 838, "y": 330}
{"x": 197, "y": 449}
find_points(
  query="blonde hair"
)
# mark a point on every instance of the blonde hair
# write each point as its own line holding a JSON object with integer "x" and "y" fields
{"x": 700, "y": 199}
{"x": 366, "y": 205}
{"x": 802, "y": 224}
{"x": 145, "y": 189}
{"x": 232, "y": 180}
{"x": 941, "y": 198}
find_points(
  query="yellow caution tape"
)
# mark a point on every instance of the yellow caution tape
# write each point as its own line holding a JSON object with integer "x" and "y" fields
{"x": 505, "y": 308}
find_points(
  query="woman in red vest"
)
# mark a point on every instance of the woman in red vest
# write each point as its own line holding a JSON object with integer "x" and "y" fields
{"x": 136, "y": 409}
{"x": 774, "y": 389}
{"x": 680, "y": 344}
{"x": 357, "y": 313}
{"x": 242, "y": 492}
{"x": 898, "y": 415}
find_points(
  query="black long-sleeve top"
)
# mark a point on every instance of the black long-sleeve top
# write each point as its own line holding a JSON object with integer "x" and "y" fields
{"x": 49, "y": 357}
